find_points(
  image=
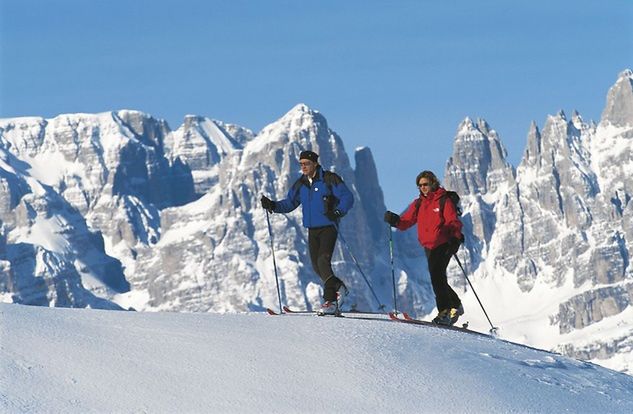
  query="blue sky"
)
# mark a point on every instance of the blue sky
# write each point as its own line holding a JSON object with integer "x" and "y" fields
{"x": 396, "y": 76}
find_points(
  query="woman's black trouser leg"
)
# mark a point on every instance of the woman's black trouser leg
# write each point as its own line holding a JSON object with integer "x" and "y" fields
{"x": 445, "y": 296}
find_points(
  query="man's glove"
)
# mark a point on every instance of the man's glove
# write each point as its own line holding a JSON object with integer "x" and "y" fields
{"x": 392, "y": 218}
{"x": 453, "y": 245}
{"x": 268, "y": 204}
{"x": 334, "y": 215}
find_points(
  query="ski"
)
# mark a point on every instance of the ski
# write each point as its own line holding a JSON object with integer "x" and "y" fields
{"x": 392, "y": 316}
{"x": 406, "y": 318}
{"x": 307, "y": 312}
{"x": 285, "y": 310}
{"x": 409, "y": 318}
{"x": 288, "y": 310}
{"x": 360, "y": 312}
{"x": 351, "y": 314}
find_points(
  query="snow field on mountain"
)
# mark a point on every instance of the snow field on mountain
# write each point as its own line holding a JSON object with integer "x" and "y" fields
{"x": 70, "y": 360}
{"x": 525, "y": 317}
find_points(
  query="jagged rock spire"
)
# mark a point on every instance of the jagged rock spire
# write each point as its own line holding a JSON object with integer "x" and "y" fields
{"x": 619, "y": 107}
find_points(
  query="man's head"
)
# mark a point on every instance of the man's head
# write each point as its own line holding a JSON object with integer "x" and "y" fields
{"x": 308, "y": 162}
{"x": 427, "y": 182}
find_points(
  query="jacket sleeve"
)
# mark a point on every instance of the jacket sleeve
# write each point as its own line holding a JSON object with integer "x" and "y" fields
{"x": 291, "y": 201}
{"x": 452, "y": 223}
{"x": 409, "y": 217}
{"x": 345, "y": 197}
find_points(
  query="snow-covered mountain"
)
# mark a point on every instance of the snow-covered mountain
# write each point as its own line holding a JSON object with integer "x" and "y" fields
{"x": 79, "y": 192}
{"x": 78, "y": 361}
{"x": 551, "y": 242}
{"x": 117, "y": 210}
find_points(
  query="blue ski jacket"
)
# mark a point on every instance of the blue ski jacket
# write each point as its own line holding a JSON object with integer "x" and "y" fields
{"x": 312, "y": 198}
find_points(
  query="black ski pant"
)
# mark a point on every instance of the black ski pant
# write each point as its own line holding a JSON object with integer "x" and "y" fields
{"x": 438, "y": 258}
{"x": 321, "y": 241}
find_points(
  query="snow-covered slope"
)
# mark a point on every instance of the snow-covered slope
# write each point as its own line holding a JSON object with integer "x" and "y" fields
{"x": 79, "y": 361}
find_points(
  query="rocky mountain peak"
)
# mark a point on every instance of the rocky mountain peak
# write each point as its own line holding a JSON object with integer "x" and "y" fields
{"x": 483, "y": 126}
{"x": 300, "y": 117}
{"x": 300, "y": 110}
{"x": 300, "y": 129}
{"x": 477, "y": 147}
{"x": 533, "y": 148}
{"x": 619, "y": 107}
{"x": 465, "y": 126}
{"x": 369, "y": 191}
{"x": 561, "y": 115}
{"x": 146, "y": 128}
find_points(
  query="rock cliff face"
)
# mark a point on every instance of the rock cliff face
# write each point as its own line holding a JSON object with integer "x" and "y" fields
{"x": 202, "y": 143}
{"x": 78, "y": 182}
{"x": 115, "y": 210}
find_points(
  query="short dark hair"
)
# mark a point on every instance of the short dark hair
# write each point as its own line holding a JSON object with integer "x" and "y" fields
{"x": 435, "y": 183}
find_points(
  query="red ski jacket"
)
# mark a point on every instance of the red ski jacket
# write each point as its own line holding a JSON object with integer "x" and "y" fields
{"x": 433, "y": 230}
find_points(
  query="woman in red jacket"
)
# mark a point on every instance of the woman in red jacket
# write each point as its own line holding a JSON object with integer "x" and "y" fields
{"x": 440, "y": 233}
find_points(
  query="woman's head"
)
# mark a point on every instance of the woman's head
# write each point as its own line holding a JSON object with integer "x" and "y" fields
{"x": 427, "y": 182}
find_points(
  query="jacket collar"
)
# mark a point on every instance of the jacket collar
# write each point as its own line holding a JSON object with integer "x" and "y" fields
{"x": 317, "y": 177}
{"x": 434, "y": 195}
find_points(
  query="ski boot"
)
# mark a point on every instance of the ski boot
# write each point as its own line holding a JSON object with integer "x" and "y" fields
{"x": 329, "y": 308}
{"x": 455, "y": 313}
{"x": 442, "y": 318}
{"x": 341, "y": 295}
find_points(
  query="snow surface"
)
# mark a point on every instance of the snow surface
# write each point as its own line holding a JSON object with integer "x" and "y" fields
{"x": 82, "y": 360}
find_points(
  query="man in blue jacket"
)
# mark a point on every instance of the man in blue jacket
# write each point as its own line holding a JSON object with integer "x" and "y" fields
{"x": 324, "y": 199}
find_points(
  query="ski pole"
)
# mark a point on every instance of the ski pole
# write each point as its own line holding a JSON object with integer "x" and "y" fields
{"x": 393, "y": 275}
{"x": 493, "y": 329}
{"x": 272, "y": 249}
{"x": 380, "y": 305}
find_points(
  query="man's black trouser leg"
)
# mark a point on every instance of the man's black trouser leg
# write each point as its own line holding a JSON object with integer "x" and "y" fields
{"x": 321, "y": 241}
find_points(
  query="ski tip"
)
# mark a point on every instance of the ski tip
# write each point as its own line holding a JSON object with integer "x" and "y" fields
{"x": 393, "y": 316}
{"x": 286, "y": 309}
{"x": 271, "y": 312}
{"x": 407, "y": 316}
